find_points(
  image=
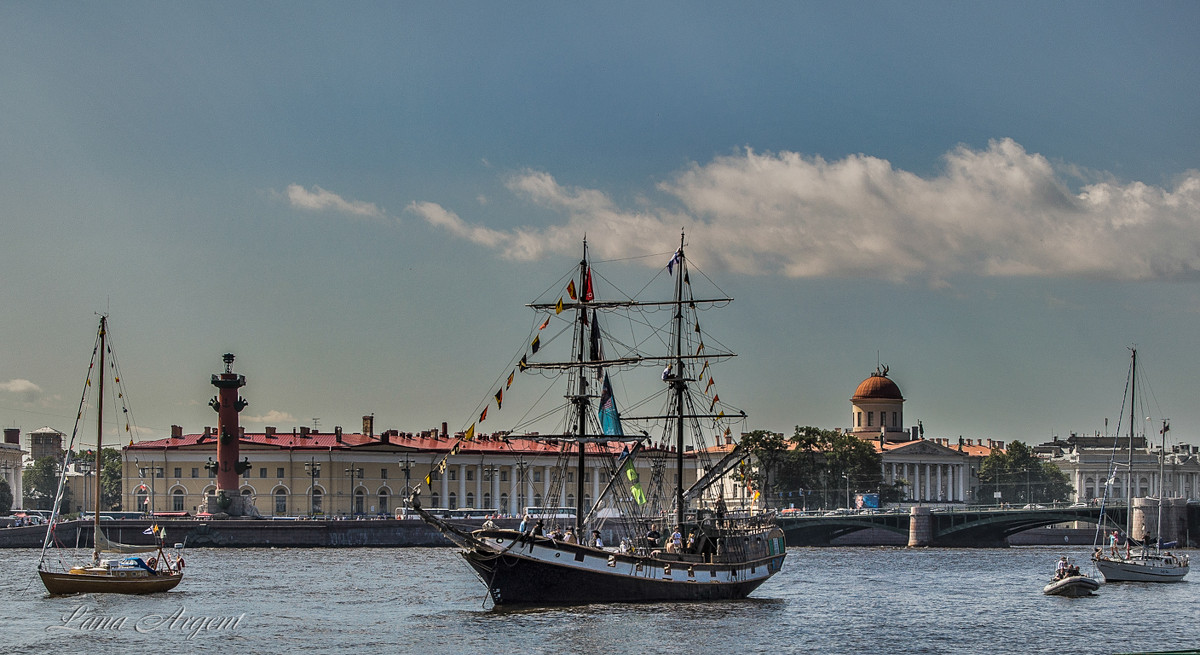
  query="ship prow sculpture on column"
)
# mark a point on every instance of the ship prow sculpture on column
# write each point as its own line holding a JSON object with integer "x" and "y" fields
{"x": 228, "y": 500}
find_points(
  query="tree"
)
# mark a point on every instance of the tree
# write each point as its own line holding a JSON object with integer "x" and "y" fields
{"x": 41, "y": 484}
{"x": 1021, "y": 477}
{"x": 769, "y": 448}
{"x": 6, "y": 497}
{"x": 817, "y": 463}
{"x": 110, "y": 477}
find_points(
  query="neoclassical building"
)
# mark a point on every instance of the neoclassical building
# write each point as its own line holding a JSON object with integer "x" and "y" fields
{"x": 1087, "y": 460}
{"x": 938, "y": 469}
{"x": 12, "y": 465}
{"x": 304, "y": 472}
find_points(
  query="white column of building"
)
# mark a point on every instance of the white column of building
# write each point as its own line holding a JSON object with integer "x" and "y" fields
{"x": 951, "y": 472}
{"x": 445, "y": 489}
{"x": 928, "y": 476}
{"x": 513, "y": 501}
{"x": 893, "y": 480}
{"x": 478, "y": 468}
{"x": 962, "y": 482}
{"x": 462, "y": 485}
{"x": 916, "y": 481}
{"x": 938, "y": 494}
{"x": 18, "y": 490}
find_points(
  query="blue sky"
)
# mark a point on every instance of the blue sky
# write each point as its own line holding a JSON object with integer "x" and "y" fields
{"x": 995, "y": 200}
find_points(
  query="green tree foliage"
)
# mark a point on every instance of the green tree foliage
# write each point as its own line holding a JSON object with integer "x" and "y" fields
{"x": 818, "y": 463}
{"x": 41, "y": 483}
{"x": 110, "y": 478}
{"x": 1021, "y": 477}
{"x": 6, "y": 497}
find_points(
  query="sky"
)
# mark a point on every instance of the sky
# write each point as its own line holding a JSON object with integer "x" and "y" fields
{"x": 996, "y": 200}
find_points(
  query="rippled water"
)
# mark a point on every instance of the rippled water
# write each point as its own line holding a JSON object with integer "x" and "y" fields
{"x": 830, "y": 600}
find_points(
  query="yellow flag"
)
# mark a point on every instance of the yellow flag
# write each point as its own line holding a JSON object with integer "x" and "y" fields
{"x": 470, "y": 433}
{"x": 559, "y": 307}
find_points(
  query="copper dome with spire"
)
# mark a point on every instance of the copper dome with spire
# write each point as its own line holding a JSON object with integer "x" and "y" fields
{"x": 877, "y": 387}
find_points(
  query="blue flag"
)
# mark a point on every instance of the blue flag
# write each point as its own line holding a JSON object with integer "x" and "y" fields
{"x": 610, "y": 418}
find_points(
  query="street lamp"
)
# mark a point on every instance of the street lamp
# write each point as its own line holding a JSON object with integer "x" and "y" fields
{"x": 847, "y": 476}
{"x": 522, "y": 466}
{"x": 489, "y": 474}
{"x": 313, "y": 468}
{"x": 85, "y": 467}
{"x": 406, "y": 466}
{"x": 354, "y": 473}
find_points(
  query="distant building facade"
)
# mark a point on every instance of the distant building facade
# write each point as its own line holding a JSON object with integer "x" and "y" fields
{"x": 305, "y": 472}
{"x": 12, "y": 465}
{"x": 46, "y": 442}
{"x": 1089, "y": 461}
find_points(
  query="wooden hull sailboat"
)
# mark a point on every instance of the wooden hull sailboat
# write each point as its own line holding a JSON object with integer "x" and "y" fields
{"x": 124, "y": 572}
{"x": 711, "y": 553}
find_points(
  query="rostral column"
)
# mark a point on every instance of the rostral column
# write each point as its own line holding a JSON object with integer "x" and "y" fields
{"x": 228, "y": 404}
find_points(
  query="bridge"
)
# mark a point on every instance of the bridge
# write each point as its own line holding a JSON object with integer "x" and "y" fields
{"x": 956, "y": 527}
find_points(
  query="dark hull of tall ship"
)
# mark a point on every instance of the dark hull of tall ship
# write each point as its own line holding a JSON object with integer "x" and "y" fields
{"x": 539, "y": 570}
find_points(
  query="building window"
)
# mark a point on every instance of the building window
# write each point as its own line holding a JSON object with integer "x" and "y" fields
{"x": 503, "y": 503}
{"x": 896, "y": 419}
{"x": 435, "y": 475}
{"x": 195, "y": 472}
{"x": 487, "y": 501}
{"x": 383, "y": 501}
{"x": 279, "y": 472}
{"x": 537, "y": 500}
{"x": 246, "y": 474}
{"x": 435, "y": 499}
{"x": 179, "y": 471}
{"x": 570, "y": 500}
{"x": 262, "y": 472}
{"x": 537, "y": 475}
{"x": 470, "y": 500}
{"x": 212, "y": 473}
{"x": 870, "y": 419}
{"x": 382, "y": 474}
{"x": 281, "y": 502}
{"x": 570, "y": 476}
{"x": 453, "y": 500}
{"x": 470, "y": 477}
{"x": 453, "y": 475}
{"x": 858, "y": 424}
{"x": 359, "y": 501}
{"x": 504, "y": 476}
{"x": 177, "y": 500}
{"x": 318, "y": 502}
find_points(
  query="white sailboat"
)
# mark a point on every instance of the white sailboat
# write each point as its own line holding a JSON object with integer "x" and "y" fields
{"x": 1142, "y": 564}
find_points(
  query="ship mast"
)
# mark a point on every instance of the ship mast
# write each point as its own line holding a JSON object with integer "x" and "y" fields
{"x": 581, "y": 397}
{"x": 679, "y": 387}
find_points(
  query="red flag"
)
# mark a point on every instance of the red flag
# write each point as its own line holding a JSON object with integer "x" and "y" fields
{"x": 510, "y": 379}
{"x": 587, "y": 293}
{"x": 483, "y": 416}
{"x": 544, "y": 323}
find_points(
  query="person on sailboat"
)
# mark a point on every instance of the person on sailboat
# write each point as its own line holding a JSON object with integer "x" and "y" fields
{"x": 596, "y": 540}
{"x": 1112, "y": 543}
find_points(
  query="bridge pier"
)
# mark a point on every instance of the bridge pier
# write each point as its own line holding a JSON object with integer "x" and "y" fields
{"x": 920, "y": 527}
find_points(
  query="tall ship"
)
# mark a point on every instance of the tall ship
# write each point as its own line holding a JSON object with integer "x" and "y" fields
{"x": 112, "y": 567}
{"x": 666, "y": 541}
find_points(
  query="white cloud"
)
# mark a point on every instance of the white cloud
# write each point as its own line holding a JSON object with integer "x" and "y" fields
{"x": 321, "y": 200}
{"x": 997, "y": 211}
{"x": 25, "y": 390}
{"x": 274, "y": 417}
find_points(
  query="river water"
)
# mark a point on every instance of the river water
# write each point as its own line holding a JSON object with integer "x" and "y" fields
{"x": 425, "y": 600}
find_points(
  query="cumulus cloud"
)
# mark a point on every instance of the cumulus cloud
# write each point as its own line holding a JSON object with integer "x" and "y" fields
{"x": 319, "y": 199}
{"x": 274, "y": 416}
{"x": 24, "y": 390}
{"x": 996, "y": 211}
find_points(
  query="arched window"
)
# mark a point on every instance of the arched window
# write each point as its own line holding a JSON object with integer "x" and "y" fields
{"x": 383, "y": 501}
{"x": 318, "y": 501}
{"x": 503, "y": 503}
{"x": 280, "y": 502}
{"x": 435, "y": 499}
{"x": 470, "y": 499}
{"x": 177, "y": 500}
{"x": 453, "y": 501}
{"x": 487, "y": 501}
{"x": 570, "y": 500}
{"x": 359, "y": 501}
{"x": 537, "y": 500}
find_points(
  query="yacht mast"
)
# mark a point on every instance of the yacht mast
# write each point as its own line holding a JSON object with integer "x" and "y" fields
{"x": 1129, "y": 469}
{"x": 1162, "y": 455}
{"x": 99, "y": 446}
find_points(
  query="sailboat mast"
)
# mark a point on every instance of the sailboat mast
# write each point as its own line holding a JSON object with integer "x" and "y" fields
{"x": 679, "y": 386}
{"x": 1129, "y": 469}
{"x": 1162, "y": 455}
{"x": 581, "y": 403}
{"x": 99, "y": 445}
